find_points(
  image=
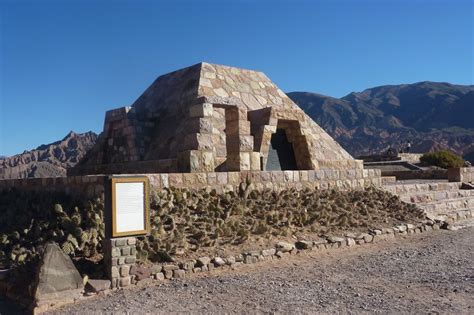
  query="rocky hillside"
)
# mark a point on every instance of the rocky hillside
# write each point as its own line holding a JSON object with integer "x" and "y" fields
{"x": 431, "y": 115}
{"x": 48, "y": 160}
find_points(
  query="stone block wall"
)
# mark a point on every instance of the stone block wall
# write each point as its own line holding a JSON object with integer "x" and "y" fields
{"x": 81, "y": 186}
{"x": 119, "y": 257}
{"x": 410, "y": 157}
{"x": 417, "y": 174}
{"x": 462, "y": 174}
{"x": 93, "y": 186}
{"x": 274, "y": 180}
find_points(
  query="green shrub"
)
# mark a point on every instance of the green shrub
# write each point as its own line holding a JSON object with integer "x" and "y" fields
{"x": 443, "y": 158}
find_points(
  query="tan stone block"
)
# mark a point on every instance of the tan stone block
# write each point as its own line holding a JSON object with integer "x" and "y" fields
{"x": 246, "y": 143}
{"x": 124, "y": 270}
{"x": 205, "y": 82}
{"x": 270, "y": 128}
{"x": 212, "y": 178}
{"x": 207, "y": 161}
{"x": 244, "y": 161}
{"x": 164, "y": 180}
{"x": 209, "y": 75}
{"x": 175, "y": 179}
{"x": 288, "y": 176}
{"x": 199, "y": 125}
{"x": 125, "y": 282}
{"x": 238, "y": 127}
{"x": 221, "y": 150}
{"x": 255, "y": 161}
{"x": 277, "y": 176}
{"x": 189, "y": 179}
{"x": 201, "y": 179}
{"x": 296, "y": 176}
{"x": 222, "y": 178}
{"x": 255, "y": 178}
{"x": 198, "y": 141}
{"x": 233, "y": 178}
{"x": 221, "y": 92}
{"x": 194, "y": 160}
{"x": 201, "y": 110}
{"x": 265, "y": 176}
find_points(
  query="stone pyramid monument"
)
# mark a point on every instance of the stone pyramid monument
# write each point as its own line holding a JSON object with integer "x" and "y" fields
{"x": 212, "y": 118}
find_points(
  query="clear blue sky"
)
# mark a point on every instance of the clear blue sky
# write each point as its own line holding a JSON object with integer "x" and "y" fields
{"x": 64, "y": 63}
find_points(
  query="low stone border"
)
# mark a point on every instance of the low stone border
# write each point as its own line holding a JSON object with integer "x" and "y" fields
{"x": 141, "y": 274}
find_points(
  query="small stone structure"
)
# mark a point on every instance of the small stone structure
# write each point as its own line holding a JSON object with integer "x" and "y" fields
{"x": 119, "y": 257}
{"x": 212, "y": 118}
{"x": 461, "y": 174}
{"x": 410, "y": 157}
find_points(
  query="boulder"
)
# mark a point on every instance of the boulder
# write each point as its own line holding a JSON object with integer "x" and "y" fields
{"x": 335, "y": 239}
{"x": 140, "y": 272}
{"x": 268, "y": 252}
{"x": 218, "y": 261}
{"x": 58, "y": 281}
{"x": 144, "y": 282}
{"x": 98, "y": 285}
{"x": 203, "y": 261}
{"x": 179, "y": 274}
{"x": 350, "y": 242}
{"x": 284, "y": 246}
{"x": 304, "y": 244}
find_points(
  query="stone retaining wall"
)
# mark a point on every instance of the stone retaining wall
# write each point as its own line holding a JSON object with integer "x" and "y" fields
{"x": 418, "y": 174}
{"x": 93, "y": 186}
{"x": 410, "y": 157}
{"x": 463, "y": 174}
{"x": 82, "y": 186}
{"x": 276, "y": 180}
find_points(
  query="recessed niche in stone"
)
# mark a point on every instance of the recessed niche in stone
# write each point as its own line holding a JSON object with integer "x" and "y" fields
{"x": 280, "y": 154}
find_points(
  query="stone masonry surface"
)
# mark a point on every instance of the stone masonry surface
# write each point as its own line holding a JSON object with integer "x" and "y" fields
{"x": 119, "y": 257}
{"x": 208, "y": 118}
{"x": 93, "y": 186}
{"x": 463, "y": 174}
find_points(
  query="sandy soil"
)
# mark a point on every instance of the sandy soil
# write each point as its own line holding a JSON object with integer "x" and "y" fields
{"x": 428, "y": 273}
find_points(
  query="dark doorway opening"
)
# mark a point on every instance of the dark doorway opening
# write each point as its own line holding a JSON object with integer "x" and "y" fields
{"x": 281, "y": 156}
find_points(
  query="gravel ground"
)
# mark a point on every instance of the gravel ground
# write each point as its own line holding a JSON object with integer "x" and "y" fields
{"x": 431, "y": 273}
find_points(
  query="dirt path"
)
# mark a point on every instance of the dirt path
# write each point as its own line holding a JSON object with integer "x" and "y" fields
{"x": 432, "y": 273}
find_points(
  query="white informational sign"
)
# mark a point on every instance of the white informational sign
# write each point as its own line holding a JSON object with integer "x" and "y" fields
{"x": 130, "y": 215}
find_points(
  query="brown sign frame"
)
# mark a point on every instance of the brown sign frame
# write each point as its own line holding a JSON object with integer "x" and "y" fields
{"x": 113, "y": 213}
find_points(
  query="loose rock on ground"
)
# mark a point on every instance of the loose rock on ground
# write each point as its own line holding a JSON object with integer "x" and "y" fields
{"x": 421, "y": 274}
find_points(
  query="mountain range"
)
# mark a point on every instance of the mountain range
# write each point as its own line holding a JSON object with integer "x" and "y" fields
{"x": 431, "y": 115}
{"x": 48, "y": 160}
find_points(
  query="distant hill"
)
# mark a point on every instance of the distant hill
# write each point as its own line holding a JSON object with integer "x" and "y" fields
{"x": 48, "y": 160}
{"x": 431, "y": 115}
